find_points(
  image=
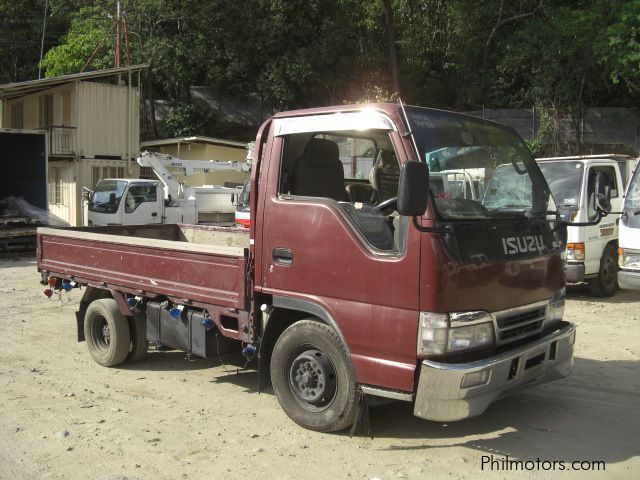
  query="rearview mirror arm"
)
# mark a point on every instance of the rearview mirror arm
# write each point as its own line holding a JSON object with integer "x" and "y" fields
{"x": 420, "y": 228}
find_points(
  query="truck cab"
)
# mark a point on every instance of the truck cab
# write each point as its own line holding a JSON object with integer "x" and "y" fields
{"x": 133, "y": 202}
{"x": 591, "y": 249}
{"x": 241, "y": 201}
{"x": 629, "y": 242}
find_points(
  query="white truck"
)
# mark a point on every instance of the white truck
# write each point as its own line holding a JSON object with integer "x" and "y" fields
{"x": 592, "y": 251}
{"x": 629, "y": 236}
{"x": 166, "y": 200}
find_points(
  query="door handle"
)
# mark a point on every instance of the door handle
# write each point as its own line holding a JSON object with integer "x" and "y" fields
{"x": 154, "y": 214}
{"x": 282, "y": 256}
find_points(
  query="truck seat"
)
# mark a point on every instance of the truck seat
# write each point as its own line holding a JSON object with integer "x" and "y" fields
{"x": 319, "y": 171}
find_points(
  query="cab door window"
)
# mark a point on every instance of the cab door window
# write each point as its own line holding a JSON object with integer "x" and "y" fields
{"x": 611, "y": 183}
{"x": 358, "y": 173}
{"x": 139, "y": 194}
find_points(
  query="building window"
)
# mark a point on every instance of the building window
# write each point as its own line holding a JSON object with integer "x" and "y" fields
{"x": 17, "y": 115}
{"x": 147, "y": 173}
{"x": 45, "y": 112}
{"x": 98, "y": 173}
{"x": 55, "y": 186}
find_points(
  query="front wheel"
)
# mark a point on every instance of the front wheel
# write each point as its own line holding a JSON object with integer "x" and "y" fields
{"x": 606, "y": 283}
{"x": 312, "y": 377}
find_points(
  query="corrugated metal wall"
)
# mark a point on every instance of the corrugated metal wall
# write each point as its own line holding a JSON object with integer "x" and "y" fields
{"x": 63, "y": 202}
{"x": 102, "y": 120}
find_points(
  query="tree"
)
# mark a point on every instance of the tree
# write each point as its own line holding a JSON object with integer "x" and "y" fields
{"x": 549, "y": 61}
{"x": 87, "y": 44}
{"x": 618, "y": 48}
{"x": 189, "y": 119}
{"x": 21, "y": 37}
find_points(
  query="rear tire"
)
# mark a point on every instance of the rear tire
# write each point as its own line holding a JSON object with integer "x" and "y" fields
{"x": 312, "y": 377}
{"x": 106, "y": 332}
{"x": 606, "y": 283}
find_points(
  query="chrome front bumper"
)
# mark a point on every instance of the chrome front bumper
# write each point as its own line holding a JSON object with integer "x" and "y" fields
{"x": 442, "y": 396}
{"x": 575, "y": 272}
{"x": 629, "y": 279}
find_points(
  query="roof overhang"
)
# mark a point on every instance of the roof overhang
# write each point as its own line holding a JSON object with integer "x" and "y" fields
{"x": 13, "y": 90}
{"x": 167, "y": 142}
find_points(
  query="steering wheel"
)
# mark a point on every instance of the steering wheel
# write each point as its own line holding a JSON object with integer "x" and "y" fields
{"x": 388, "y": 204}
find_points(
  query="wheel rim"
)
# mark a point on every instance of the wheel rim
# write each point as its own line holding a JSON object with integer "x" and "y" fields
{"x": 100, "y": 333}
{"x": 312, "y": 379}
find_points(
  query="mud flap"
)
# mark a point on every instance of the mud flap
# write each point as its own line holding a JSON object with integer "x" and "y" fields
{"x": 80, "y": 324}
{"x": 361, "y": 422}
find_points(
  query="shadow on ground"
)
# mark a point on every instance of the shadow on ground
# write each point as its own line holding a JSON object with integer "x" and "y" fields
{"x": 590, "y": 415}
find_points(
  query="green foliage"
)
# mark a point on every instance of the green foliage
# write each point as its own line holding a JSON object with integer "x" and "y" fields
{"x": 545, "y": 132}
{"x": 90, "y": 30}
{"x": 21, "y": 37}
{"x": 618, "y": 49}
{"x": 189, "y": 119}
{"x": 456, "y": 54}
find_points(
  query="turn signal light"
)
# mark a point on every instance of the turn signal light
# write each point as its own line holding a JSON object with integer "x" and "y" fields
{"x": 575, "y": 251}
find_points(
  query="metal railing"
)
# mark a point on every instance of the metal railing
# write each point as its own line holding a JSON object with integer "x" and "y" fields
{"x": 62, "y": 140}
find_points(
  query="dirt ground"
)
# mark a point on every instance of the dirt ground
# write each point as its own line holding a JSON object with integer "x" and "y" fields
{"x": 64, "y": 416}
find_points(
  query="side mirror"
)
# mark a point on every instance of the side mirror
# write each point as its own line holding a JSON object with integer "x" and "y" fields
{"x": 602, "y": 193}
{"x": 413, "y": 189}
{"x": 87, "y": 195}
{"x": 112, "y": 198}
{"x": 233, "y": 199}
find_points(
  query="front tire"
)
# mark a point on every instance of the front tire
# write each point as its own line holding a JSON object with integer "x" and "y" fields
{"x": 312, "y": 377}
{"x": 606, "y": 283}
{"x": 106, "y": 332}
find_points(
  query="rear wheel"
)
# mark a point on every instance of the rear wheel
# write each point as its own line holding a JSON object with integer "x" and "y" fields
{"x": 606, "y": 283}
{"x": 138, "y": 333}
{"x": 106, "y": 332}
{"x": 312, "y": 377}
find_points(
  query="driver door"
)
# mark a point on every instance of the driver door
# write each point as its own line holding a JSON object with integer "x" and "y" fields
{"x": 142, "y": 204}
{"x": 326, "y": 253}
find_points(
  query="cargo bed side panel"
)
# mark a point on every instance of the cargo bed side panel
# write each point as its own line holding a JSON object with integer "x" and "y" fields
{"x": 197, "y": 276}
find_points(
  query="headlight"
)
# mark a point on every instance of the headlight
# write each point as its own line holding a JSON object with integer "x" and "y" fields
{"x": 575, "y": 251}
{"x": 440, "y": 333}
{"x": 628, "y": 258}
{"x": 471, "y": 336}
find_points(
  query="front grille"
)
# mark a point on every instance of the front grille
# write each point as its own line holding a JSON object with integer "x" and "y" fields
{"x": 519, "y": 323}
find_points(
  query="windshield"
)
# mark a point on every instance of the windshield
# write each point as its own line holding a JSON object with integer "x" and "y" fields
{"x": 564, "y": 179}
{"x": 464, "y": 154}
{"x": 632, "y": 198}
{"x": 244, "y": 194}
{"x": 107, "y": 195}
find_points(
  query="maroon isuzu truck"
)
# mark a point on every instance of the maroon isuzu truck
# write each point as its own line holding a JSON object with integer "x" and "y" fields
{"x": 381, "y": 260}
